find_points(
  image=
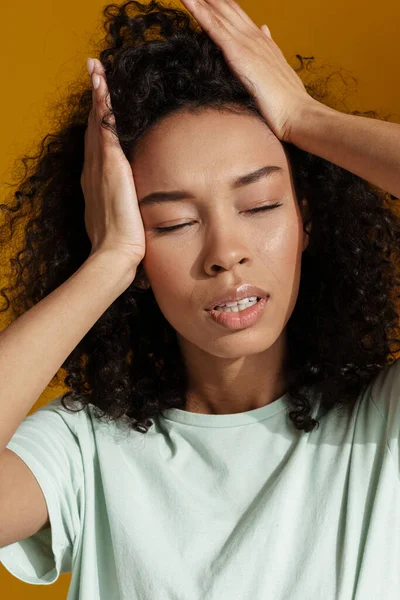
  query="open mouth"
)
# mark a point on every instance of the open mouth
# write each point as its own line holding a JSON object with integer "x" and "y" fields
{"x": 237, "y": 307}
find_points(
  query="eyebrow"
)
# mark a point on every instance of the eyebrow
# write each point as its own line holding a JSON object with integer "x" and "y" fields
{"x": 160, "y": 197}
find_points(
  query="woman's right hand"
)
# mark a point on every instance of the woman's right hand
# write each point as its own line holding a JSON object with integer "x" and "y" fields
{"x": 112, "y": 217}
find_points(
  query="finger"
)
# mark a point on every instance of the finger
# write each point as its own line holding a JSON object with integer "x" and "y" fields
{"x": 101, "y": 95}
{"x": 213, "y": 23}
{"x": 88, "y": 144}
{"x": 97, "y": 94}
{"x": 102, "y": 107}
{"x": 233, "y": 14}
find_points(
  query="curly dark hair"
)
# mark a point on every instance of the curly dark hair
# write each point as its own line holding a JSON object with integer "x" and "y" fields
{"x": 341, "y": 334}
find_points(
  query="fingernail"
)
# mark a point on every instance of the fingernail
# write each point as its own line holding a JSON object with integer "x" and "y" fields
{"x": 96, "y": 81}
{"x": 90, "y": 65}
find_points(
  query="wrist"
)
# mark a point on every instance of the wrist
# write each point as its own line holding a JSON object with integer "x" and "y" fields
{"x": 117, "y": 264}
{"x": 309, "y": 117}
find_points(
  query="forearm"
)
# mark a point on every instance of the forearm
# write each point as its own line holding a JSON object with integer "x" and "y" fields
{"x": 369, "y": 148}
{"x": 33, "y": 348}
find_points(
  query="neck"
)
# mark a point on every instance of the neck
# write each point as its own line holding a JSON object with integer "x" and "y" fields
{"x": 232, "y": 385}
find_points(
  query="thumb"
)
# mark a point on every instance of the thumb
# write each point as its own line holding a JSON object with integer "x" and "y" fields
{"x": 265, "y": 30}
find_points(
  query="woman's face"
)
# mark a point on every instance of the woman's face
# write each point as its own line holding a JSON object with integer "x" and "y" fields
{"x": 222, "y": 244}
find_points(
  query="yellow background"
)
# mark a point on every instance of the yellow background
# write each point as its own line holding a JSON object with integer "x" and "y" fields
{"x": 45, "y": 45}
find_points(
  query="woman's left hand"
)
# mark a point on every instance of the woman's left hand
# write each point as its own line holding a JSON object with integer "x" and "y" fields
{"x": 253, "y": 56}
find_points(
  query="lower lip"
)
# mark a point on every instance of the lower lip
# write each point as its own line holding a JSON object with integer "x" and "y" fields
{"x": 241, "y": 319}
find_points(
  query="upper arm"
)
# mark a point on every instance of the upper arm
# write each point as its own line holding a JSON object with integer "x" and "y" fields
{"x": 42, "y": 493}
{"x": 23, "y": 509}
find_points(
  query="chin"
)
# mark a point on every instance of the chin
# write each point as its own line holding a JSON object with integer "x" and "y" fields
{"x": 251, "y": 343}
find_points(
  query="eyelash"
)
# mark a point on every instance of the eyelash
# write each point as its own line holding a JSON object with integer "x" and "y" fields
{"x": 252, "y": 211}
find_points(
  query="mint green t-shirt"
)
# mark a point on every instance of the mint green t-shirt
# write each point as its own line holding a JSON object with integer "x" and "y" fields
{"x": 218, "y": 507}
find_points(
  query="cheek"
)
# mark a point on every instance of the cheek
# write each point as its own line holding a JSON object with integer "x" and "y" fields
{"x": 163, "y": 262}
{"x": 282, "y": 248}
{"x": 166, "y": 269}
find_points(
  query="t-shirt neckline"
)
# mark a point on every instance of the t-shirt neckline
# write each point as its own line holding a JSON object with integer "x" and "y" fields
{"x": 226, "y": 420}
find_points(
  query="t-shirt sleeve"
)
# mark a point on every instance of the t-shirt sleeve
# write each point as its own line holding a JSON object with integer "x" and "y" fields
{"x": 385, "y": 394}
{"x": 47, "y": 443}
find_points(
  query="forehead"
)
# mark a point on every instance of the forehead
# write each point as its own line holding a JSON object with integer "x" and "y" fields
{"x": 210, "y": 144}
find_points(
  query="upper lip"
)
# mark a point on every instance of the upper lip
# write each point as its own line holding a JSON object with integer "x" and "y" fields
{"x": 238, "y": 293}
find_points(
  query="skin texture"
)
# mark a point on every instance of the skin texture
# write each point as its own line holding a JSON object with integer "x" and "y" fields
{"x": 230, "y": 371}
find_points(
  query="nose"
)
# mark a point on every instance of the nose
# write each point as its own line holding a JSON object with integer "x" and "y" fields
{"x": 225, "y": 248}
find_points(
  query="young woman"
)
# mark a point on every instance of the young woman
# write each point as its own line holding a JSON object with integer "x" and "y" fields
{"x": 212, "y": 256}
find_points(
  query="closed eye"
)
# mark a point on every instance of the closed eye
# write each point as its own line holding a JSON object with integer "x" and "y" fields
{"x": 251, "y": 211}
{"x": 267, "y": 207}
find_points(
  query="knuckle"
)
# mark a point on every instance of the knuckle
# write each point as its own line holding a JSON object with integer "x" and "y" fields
{"x": 98, "y": 104}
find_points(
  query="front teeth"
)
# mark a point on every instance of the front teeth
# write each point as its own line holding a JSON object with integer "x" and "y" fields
{"x": 243, "y": 301}
{"x": 237, "y": 306}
